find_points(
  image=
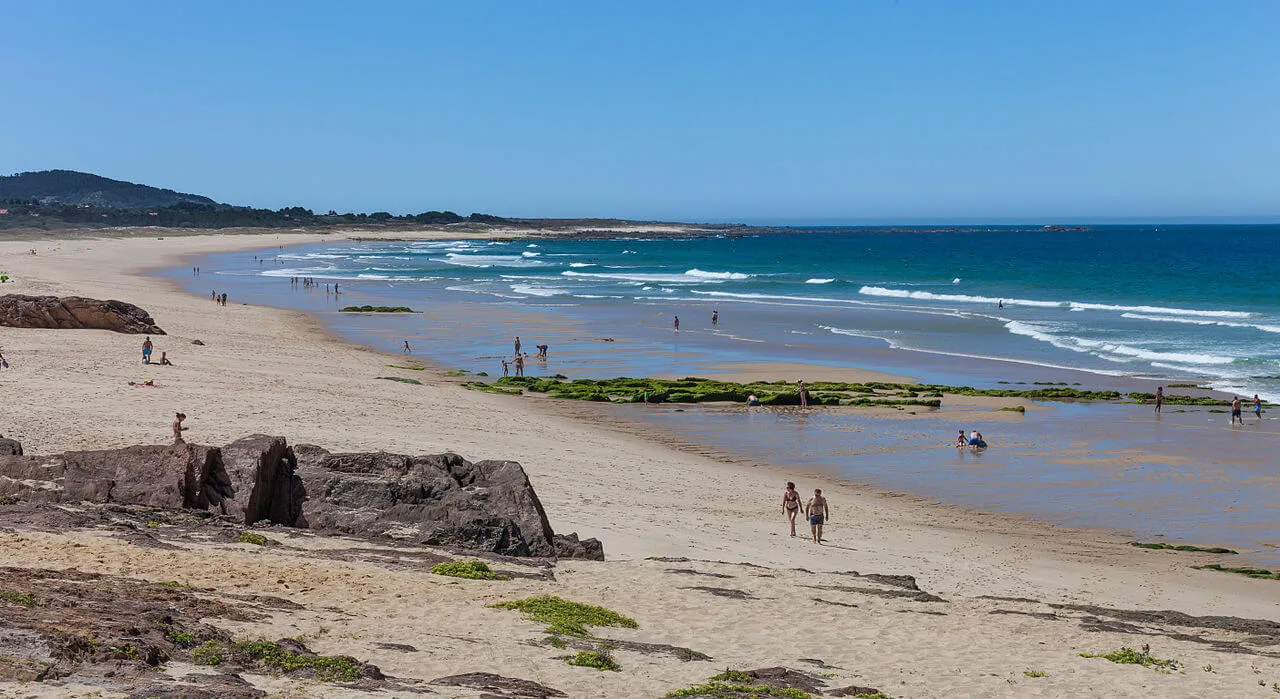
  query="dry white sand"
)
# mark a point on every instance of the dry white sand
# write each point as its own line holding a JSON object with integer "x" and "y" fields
{"x": 263, "y": 370}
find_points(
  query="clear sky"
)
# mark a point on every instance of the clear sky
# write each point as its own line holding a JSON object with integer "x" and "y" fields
{"x": 855, "y": 111}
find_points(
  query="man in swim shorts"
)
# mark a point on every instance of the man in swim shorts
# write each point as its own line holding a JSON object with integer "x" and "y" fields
{"x": 146, "y": 351}
{"x": 1235, "y": 411}
{"x": 818, "y": 512}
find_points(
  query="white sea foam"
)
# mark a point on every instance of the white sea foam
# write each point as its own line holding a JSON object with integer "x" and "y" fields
{"x": 531, "y": 290}
{"x": 1194, "y": 321}
{"x": 1072, "y": 305}
{"x": 580, "y": 265}
{"x": 486, "y": 261}
{"x": 693, "y": 276}
{"x": 1112, "y": 351}
{"x": 818, "y": 281}
{"x": 530, "y": 254}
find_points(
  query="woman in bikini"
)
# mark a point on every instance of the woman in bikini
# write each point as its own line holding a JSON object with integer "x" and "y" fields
{"x": 791, "y": 505}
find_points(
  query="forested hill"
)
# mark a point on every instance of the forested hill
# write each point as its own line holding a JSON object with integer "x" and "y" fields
{"x": 71, "y": 188}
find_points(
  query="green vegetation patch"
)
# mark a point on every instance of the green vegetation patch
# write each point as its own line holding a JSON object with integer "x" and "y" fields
{"x": 730, "y": 691}
{"x": 415, "y": 382}
{"x": 181, "y": 638}
{"x": 406, "y": 368}
{"x": 1170, "y": 399}
{"x": 601, "y": 660}
{"x": 377, "y": 309}
{"x": 1184, "y": 547}
{"x": 490, "y": 388}
{"x": 1034, "y": 673}
{"x": 734, "y": 676}
{"x": 251, "y": 538}
{"x": 22, "y": 599}
{"x": 1012, "y": 409}
{"x": 273, "y": 657}
{"x": 771, "y": 393}
{"x": 564, "y": 617}
{"x": 1129, "y": 656}
{"x": 472, "y": 570}
{"x": 1259, "y": 573}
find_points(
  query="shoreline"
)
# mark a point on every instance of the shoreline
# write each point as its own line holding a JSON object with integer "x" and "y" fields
{"x": 277, "y": 371}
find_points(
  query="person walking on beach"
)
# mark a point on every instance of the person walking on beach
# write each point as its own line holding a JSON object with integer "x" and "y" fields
{"x": 178, "y": 429}
{"x": 818, "y": 512}
{"x": 4, "y": 363}
{"x": 676, "y": 323}
{"x": 1235, "y": 411}
{"x": 715, "y": 320}
{"x": 804, "y": 394}
{"x": 791, "y": 505}
{"x": 1159, "y": 397}
{"x": 406, "y": 347}
{"x": 1257, "y": 406}
{"x": 146, "y": 351}
{"x": 517, "y": 344}
{"x": 224, "y": 298}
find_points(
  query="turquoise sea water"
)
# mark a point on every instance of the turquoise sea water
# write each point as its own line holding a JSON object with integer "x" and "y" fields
{"x": 1186, "y": 302}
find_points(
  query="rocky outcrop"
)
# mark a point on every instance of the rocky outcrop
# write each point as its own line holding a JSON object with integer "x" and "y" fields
{"x": 10, "y": 447}
{"x": 75, "y": 313}
{"x": 438, "y": 500}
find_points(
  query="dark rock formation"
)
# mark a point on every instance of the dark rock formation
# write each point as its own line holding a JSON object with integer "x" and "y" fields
{"x": 440, "y": 500}
{"x": 10, "y": 447}
{"x": 499, "y": 686}
{"x": 75, "y": 313}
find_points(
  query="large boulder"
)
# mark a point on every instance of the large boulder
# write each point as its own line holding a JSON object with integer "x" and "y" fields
{"x": 10, "y": 447}
{"x": 75, "y": 313}
{"x": 441, "y": 500}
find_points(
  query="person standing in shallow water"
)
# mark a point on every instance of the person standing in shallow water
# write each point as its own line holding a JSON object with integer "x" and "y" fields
{"x": 804, "y": 394}
{"x": 791, "y": 505}
{"x": 676, "y": 323}
{"x": 1235, "y": 412}
{"x": 715, "y": 321}
{"x": 1159, "y": 397}
{"x": 818, "y": 512}
{"x": 517, "y": 344}
{"x": 1257, "y": 406}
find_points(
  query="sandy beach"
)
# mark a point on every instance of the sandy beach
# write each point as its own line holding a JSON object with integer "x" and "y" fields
{"x": 986, "y": 626}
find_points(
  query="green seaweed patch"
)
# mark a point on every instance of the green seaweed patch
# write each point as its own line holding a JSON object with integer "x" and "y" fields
{"x": 490, "y": 388}
{"x": 725, "y": 690}
{"x": 601, "y": 660}
{"x": 1182, "y": 547}
{"x": 1185, "y": 385}
{"x": 251, "y": 538}
{"x": 1034, "y": 673}
{"x": 1259, "y": 573}
{"x": 406, "y": 368}
{"x": 272, "y": 656}
{"x": 377, "y": 309}
{"x": 22, "y": 599}
{"x": 471, "y": 570}
{"x": 564, "y": 617}
{"x": 1020, "y": 409}
{"x": 1170, "y": 399}
{"x": 415, "y": 382}
{"x": 1129, "y": 656}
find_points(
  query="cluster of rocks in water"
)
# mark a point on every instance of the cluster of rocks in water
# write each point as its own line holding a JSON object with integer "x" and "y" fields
{"x": 75, "y": 313}
{"x": 436, "y": 500}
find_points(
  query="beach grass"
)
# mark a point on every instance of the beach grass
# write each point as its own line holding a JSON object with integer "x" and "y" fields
{"x": 565, "y": 617}
{"x": 601, "y": 660}
{"x": 471, "y": 570}
{"x": 1129, "y": 656}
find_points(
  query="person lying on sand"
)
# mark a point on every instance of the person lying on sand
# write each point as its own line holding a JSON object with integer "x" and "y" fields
{"x": 818, "y": 512}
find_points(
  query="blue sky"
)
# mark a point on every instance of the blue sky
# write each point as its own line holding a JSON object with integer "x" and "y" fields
{"x": 741, "y": 111}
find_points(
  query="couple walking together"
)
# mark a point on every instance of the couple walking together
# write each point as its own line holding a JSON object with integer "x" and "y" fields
{"x": 816, "y": 509}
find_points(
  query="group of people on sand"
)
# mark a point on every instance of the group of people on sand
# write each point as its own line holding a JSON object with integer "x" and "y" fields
{"x": 220, "y": 299}
{"x": 817, "y": 510}
{"x": 974, "y": 441}
{"x": 517, "y": 363}
{"x": 147, "y": 347}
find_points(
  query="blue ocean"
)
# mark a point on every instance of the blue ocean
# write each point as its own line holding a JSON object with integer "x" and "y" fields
{"x": 1191, "y": 303}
